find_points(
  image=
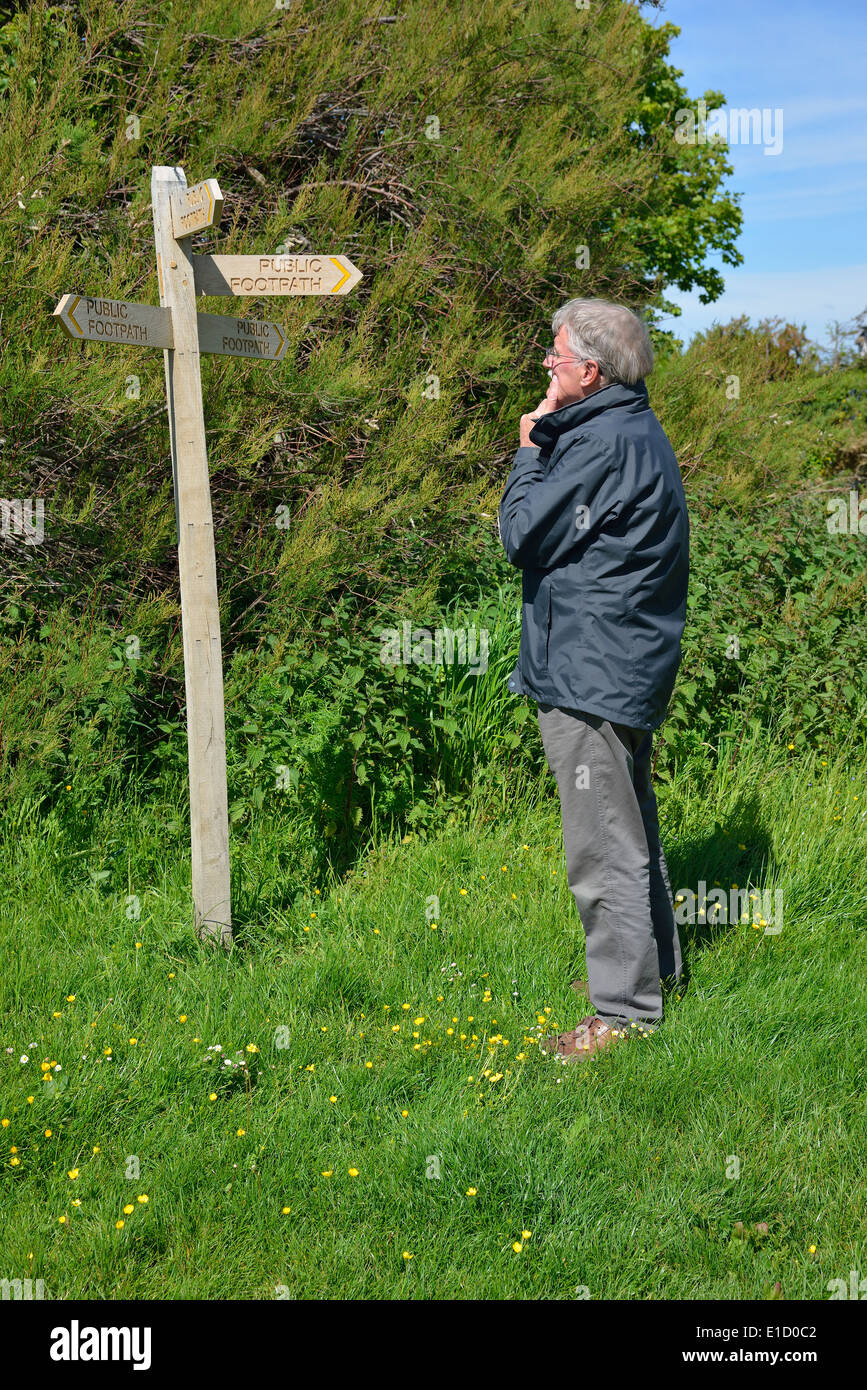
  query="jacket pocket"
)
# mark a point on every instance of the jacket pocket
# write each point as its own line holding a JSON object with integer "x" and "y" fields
{"x": 548, "y": 629}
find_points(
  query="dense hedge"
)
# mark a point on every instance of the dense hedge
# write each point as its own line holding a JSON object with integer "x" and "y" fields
{"x": 462, "y": 156}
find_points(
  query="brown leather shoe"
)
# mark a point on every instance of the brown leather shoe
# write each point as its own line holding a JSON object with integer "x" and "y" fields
{"x": 584, "y": 1041}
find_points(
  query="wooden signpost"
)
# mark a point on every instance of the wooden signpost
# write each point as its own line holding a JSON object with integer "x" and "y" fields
{"x": 183, "y": 333}
{"x": 141, "y": 325}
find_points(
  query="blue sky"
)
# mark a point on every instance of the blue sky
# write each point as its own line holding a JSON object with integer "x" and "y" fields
{"x": 804, "y": 238}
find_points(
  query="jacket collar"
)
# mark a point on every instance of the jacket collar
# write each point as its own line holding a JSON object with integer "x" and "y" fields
{"x": 549, "y": 427}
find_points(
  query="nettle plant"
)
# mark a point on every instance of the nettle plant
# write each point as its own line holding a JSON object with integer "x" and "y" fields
{"x": 330, "y": 732}
{"x": 345, "y": 738}
{"x": 773, "y": 635}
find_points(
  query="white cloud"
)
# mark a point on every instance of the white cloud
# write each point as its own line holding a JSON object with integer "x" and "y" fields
{"x": 811, "y": 297}
{"x": 838, "y": 147}
{"x": 810, "y": 201}
{"x": 810, "y": 110}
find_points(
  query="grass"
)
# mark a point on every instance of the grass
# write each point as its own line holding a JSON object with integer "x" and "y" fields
{"x": 616, "y": 1166}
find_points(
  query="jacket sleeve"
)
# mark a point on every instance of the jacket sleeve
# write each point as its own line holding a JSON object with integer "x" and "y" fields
{"x": 539, "y": 519}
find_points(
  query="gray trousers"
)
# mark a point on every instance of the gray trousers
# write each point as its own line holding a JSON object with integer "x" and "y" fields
{"x": 615, "y": 865}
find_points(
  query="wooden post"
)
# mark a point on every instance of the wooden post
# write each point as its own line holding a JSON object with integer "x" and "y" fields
{"x": 180, "y": 210}
{"x": 200, "y": 610}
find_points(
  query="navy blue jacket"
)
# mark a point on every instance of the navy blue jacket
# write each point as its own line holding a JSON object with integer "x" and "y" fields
{"x": 596, "y": 519}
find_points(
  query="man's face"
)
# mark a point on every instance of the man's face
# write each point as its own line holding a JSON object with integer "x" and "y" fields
{"x": 575, "y": 379}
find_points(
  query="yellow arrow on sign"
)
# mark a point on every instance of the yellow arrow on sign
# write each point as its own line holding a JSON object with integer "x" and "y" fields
{"x": 345, "y": 276}
{"x": 70, "y": 314}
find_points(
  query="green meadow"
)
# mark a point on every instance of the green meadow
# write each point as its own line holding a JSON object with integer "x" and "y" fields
{"x": 353, "y": 1103}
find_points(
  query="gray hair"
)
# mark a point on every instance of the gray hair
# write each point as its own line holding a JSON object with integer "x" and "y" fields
{"x": 609, "y": 335}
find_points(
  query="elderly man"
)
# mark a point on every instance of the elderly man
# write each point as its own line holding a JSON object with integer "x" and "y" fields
{"x": 595, "y": 516}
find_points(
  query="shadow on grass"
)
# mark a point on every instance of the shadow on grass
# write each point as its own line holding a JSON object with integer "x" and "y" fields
{"x": 738, "y": 853}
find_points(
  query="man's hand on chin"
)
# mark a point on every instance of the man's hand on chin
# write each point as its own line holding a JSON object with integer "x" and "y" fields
{"x": 543, "y": 408}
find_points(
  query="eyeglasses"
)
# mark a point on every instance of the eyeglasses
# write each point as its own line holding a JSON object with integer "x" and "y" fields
{"x": 553, "y": 355}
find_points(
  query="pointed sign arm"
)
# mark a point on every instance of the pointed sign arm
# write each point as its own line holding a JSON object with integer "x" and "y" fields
{"x": 196, "y": 207}
{"x": 114, "y": 321}
{"x": 292, "y": 275}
